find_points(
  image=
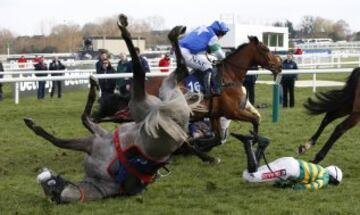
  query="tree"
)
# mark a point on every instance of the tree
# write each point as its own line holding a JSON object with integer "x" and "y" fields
{"x": 292, "y": 32}
{"x": 6, "y": 37}
{"x": 340, "y": 30}
{"x": 356, "y": 36}
{"x": 307, "y": 26}
{"x": 90, "y": 29}
{"x": 66, "y": 38}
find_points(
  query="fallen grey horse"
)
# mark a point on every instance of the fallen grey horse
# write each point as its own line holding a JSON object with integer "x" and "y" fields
{"x": 125, "y": 161}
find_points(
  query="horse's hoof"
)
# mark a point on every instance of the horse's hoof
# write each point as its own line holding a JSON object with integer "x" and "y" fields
{"x": 94, "y": 81}
{"x": 314, "y": 161}
{"x": 122, "y": 22}
{"x": 301, "y": 149}
{"x": 214, "y": 161}
{"x": 29, "y": 122}
{"x": 176, "y": 32}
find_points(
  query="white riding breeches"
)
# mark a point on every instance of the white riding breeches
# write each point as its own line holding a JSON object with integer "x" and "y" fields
{"x": 283, "y": 168}
{"x": 224, "y": 125}
{"x": 195, "y": 61}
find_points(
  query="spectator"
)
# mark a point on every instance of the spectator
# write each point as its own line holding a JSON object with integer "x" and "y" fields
{"x": 1, "y": 76}
{"x": 298, "y": 51}
{"x": 121, "y": 83}
{"x": 107, "y": 86}
{"x": 41, "y": 66}
{"x": 56, "y": 65}
{"x": 249, "y": 84}
{"x": 22, "y": 61}
{"x": 288, "y": 81}
{"x": 143, "y": 61}
{"x": 103, "y": 56}
{"x": 165, "y": 62}
{"x": 37, "y": 59}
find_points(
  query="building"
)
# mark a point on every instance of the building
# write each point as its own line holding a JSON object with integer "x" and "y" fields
{"x": 276, "y": 38}
{"x": 115, "y": 45}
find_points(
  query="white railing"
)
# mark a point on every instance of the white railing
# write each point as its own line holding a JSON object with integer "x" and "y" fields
{"x": 347, "y": 45}
{"x": 74, "y": 75}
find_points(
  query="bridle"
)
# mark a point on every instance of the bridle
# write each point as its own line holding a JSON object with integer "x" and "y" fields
{"x": 271, "y": 66}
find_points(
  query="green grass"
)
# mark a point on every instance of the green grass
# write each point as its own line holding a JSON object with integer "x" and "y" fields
{"x": 192, "y": 187}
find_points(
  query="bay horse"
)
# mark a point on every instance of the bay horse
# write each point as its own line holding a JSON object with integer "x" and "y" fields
{"x": 125, "y": 161}
{"x": 334, "y": 104}
{"x": 232, "y": 103}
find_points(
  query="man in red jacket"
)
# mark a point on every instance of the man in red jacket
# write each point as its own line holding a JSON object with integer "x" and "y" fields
{"x": 165, "y": 62}
{"x": 22, "y": 61}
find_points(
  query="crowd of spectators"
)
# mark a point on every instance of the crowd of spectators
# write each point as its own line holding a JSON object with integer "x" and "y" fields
{"x": 121, "y": 85}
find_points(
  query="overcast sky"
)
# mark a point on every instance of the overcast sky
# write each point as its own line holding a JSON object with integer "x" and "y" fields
{"x": 28, "y": 17}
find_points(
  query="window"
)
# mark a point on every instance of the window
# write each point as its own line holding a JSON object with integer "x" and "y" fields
{"x": 273, "y": 39}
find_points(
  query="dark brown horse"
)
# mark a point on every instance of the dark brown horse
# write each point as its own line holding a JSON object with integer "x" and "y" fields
{"x": 232, "y": 103}
{"x": 335, "y": 104}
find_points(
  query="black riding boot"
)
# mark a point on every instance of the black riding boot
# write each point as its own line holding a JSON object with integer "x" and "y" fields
{"x": 216, "y": 82}
{"x": 206, "y": 81}
{"x": 251, "y": 162}
{"x": 262, "y": 144}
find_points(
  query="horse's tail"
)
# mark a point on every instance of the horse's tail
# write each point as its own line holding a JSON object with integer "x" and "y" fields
{"x": 325, "y": 102}
{"x": 170, "y": 115}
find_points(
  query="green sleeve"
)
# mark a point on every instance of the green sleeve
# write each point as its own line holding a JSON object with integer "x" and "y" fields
{"x": 299, "y": 187}
{"x": 214, "y": 47}
{"x": 313, "y": 186}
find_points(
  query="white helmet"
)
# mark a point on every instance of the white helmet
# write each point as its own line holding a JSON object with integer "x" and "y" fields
{"x": 335, "y": 172}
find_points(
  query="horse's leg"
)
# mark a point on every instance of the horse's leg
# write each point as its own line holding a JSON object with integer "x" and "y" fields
{"x": 84, "y": 144}
{"x": 114, "y": 119}
{"x": 329, "y": 117}
{"x": 244, "y": 115}
{"x": 181, "y": 68}
{"x": 85, "y": 117}
{"x": 89, "y": 191}
{"x": 63, "y": 191}
{"x": 224, "y": 129}
{"x": 340, "y": 129}
{"x": 202, "y": 155}
{"x": 138, "y": 86}
{"x": 249, "y": 107}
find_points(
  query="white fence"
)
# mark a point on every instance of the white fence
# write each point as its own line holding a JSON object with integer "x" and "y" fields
{"x": 336, "y": 45}
{"x": 18, "y": 76}
{"x": 304, "y": 61}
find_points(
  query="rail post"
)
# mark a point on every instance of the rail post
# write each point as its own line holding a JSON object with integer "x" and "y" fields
{"x": 276, "y": 99}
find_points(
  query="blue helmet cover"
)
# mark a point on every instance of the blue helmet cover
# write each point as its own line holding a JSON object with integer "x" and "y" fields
{"x": 219, "y": 27}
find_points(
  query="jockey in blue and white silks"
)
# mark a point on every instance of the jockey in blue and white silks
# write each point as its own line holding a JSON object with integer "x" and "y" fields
{"x": 193, "y": 47}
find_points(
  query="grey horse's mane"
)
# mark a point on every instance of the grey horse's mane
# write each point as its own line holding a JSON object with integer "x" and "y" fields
{"x": 172, "y": 112}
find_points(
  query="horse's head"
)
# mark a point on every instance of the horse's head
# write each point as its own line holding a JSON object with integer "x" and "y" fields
{"x": 263, "y": 57}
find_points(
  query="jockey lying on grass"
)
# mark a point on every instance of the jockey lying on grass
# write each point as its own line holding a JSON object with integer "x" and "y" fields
{"x": 291, "y": 172}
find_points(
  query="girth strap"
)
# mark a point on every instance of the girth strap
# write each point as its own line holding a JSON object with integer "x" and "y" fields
{"x": 145, "y": 179}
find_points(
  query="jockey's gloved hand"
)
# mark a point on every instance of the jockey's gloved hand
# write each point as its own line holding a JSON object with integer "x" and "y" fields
{"x": 283, "y": 184}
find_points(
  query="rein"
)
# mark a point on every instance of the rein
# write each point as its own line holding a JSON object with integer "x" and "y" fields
{"x": 268, "y": 166}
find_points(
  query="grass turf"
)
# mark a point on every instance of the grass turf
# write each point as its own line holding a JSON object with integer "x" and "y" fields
{"x": 192, "y": 187}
